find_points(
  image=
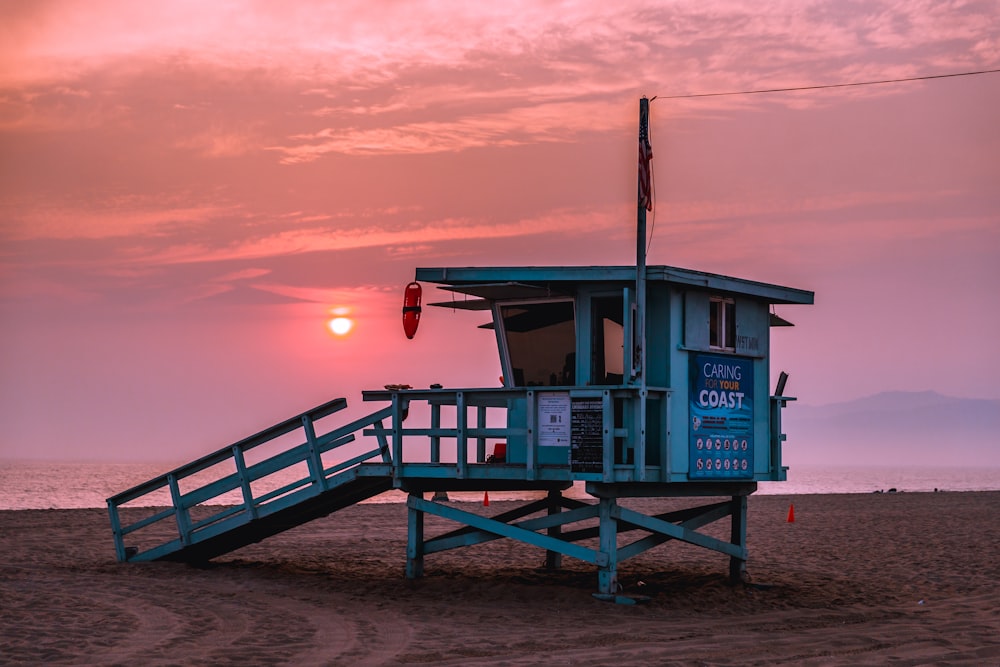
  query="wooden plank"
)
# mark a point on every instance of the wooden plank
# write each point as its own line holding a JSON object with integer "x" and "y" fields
{"x": 116, "y": 531}
{"x": 462, "y": 442}
{"x": 469, "y": 536}
{"x": 220, "y": 527}
{"x": 506, "y": 530}
{"x": 211, "y": 490}
{"x": 679, "y": 533}
{"x": 287, "y": 488}
{"x": 159, "y": 516}
{"x": 738, "y": 535}
{"x": 444, "y": 432}
{"x": 414, "y": 542}
{"x": 505, "y": 517}
{"x": 180, "y": 512}
{"x": 158, "y": 552}
{"x": 343, "y": 465}
{"x": 435, "y": 438}
{"x": 313, "y": 459}
{"x": 241, "y": 471}
{"x": 220, "y": 516}
{"x": 711, "y": 514}
{"x": 397, "y": 436}
{"x": 673, "y": 517}
{"x": 478, "y": 433}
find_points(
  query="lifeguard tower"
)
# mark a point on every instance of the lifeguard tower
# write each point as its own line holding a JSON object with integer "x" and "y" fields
{"x": 632, "y": 381}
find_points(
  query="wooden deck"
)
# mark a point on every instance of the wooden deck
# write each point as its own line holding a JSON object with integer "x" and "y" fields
{"x": 220, "y": 502}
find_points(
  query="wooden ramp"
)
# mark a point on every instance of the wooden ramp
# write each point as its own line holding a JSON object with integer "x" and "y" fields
{"x": 239, "y": 534}
{"x": 225, "y": 500}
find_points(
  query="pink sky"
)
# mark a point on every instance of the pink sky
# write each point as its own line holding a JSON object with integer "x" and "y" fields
{"x": 187, "y": 189}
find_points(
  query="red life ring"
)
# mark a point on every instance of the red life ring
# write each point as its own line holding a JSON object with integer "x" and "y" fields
{"x": 411, "y": 308}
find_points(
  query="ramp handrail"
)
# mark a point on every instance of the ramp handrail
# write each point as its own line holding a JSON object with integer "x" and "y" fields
{"x": 320, "y": 477}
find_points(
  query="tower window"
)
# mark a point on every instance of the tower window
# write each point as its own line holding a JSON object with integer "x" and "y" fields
{"x": 722, "y": 323}
{"x": 540, "y": 342}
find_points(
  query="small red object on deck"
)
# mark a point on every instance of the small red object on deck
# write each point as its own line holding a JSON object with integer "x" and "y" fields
{"x": 486, "y": 498}
{"x": 791, "y": 513}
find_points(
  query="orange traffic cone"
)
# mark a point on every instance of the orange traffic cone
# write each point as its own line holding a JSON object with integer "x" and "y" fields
{"x": 791, "y": 513}
{"x": 486, "y": 498}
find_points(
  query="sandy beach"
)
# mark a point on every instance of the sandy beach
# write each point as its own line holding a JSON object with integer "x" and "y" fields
{"x": 903, "y": 579}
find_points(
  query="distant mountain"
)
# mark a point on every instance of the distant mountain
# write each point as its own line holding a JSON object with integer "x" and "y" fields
{"x": 895, "y": 428}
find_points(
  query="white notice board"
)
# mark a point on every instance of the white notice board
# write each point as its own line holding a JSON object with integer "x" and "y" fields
{"x": 554, "y": 422}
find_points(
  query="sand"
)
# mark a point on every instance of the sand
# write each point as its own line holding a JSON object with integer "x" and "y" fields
{"x": 902, "y": 579}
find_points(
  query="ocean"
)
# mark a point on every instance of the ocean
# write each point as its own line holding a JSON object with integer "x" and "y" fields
{"x": 48, "y": 485}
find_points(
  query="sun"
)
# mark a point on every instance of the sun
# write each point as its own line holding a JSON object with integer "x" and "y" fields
{"x": 340, "y": 326}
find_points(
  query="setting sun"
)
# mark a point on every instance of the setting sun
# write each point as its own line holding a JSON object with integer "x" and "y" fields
{"x": 340, "y": 325}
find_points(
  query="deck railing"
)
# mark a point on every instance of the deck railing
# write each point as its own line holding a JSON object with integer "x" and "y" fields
{"x": 779, "y": 472}
{"x": 475, "y": 416}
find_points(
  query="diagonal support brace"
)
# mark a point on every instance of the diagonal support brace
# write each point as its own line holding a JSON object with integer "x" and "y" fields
{"x": 592, "y": 556}
{"x": 678, "y": 533}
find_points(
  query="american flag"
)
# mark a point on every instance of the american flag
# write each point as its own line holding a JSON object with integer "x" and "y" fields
{"x": 645, "y": 155}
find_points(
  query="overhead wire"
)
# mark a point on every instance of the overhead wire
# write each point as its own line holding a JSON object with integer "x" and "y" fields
{"x": 830, "y": 85}
{"x": 927, "y": 77}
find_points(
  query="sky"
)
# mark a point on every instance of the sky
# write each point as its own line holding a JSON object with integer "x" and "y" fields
{"x": 189, "y": 191}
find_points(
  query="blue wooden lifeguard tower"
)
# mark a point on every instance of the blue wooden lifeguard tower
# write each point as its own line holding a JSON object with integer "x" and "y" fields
{"x": 633, "y": 381}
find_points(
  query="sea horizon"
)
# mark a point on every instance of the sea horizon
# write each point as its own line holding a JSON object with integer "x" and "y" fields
{"x": 40, "y": 484}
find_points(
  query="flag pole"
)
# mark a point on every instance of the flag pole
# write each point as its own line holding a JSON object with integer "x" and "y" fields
{"x": 644, "y": 203}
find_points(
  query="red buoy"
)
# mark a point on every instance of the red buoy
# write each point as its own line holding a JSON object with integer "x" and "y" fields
{"x": 411, "y": 308}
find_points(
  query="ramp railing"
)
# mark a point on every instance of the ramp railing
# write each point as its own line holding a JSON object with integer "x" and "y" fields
{"x": 200, "y": 495}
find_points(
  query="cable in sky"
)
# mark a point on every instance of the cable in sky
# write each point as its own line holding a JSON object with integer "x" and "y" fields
{"x": 831, "y": 85}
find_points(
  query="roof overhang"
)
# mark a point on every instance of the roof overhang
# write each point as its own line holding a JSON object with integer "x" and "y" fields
{"x": 525, "y": 282}
{"x": 504, "y": 290}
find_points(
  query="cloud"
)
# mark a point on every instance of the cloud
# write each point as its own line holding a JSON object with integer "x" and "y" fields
{"x": 517, "y": 126}
{"x": 321, "y": 239}
{"x": 569, "y": 46}
{"x": 360, "y": 297}
{"x": 132, "y": 217}
{"x": 243, "y": 274}
{"x": 222, "y": 143}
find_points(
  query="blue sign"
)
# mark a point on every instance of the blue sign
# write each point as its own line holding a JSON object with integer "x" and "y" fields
{"x": 721, "y": 413}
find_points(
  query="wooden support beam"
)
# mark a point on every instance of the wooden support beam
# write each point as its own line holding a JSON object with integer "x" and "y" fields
{"x": 414, "y": 539}
{"x": 532, "y": 434}
{"x": 480, "y": 441}
{"x": 608, "y": 428}
{"x": 435, "y": 439}
{"x": 676, "y": 516}
{"x": 506, "y": 517}
{"x": 709, "y": 514}
{"x": 462, "y": 438}
{"x": 468, "y": 536}
{"x": 738, "y": 537}
{"x": 607, "y": 573}
{"x": 683, "y": 534}
{"x": 241, "y": 471}
{"x": 313, "y": 459}
{"x": 116, "y": 531}
{"x": 507, "y": 530}
{"x": 398, "y": 408}
{"x": 180, "y": 512}
{"x": 553, "y": 559}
